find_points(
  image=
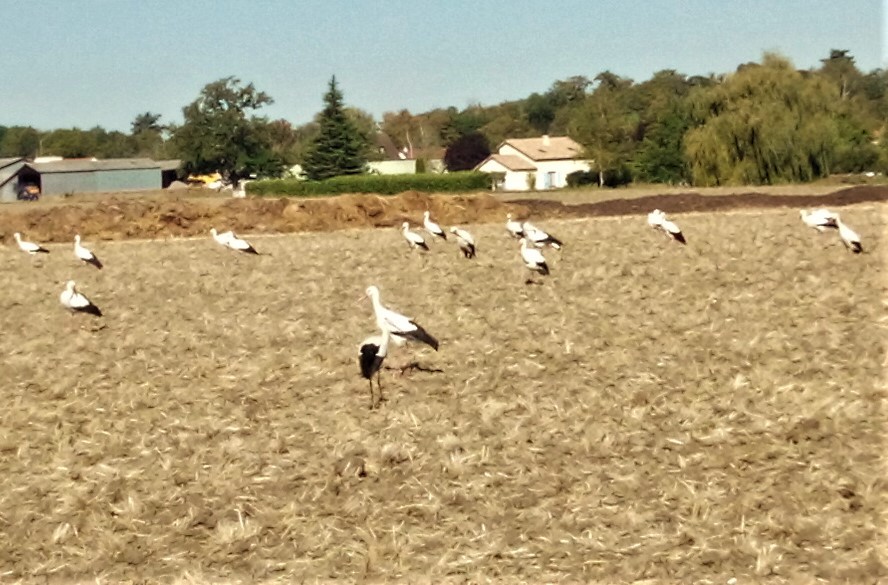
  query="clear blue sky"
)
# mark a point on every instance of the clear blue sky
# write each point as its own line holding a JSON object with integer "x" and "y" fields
{"x": 101, "y": 62}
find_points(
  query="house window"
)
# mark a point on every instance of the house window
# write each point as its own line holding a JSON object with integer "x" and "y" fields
{"x": 549, "y": 180}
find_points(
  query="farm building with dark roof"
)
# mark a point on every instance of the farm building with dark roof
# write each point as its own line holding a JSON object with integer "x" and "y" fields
{"x": 88, "y": 176}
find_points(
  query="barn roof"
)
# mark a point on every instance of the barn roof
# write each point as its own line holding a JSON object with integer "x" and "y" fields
{"x": 5, "y": 162}
{"x": 169, "y": 164}
{"x": 9, "y": 167}
{"x": 76, "y": 165}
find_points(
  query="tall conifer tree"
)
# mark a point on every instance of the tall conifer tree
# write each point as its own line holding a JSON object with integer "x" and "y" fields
{"x": 339, "y": 146}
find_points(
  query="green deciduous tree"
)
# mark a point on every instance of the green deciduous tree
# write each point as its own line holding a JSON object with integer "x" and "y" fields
{"x": 660, "y": 157}
{"x": 339, "y": 147}
{"x": 20, "y": 141}
{"x": 459, "y": 124}
{"x": 540, "y": 112}
{"x": 605, "y": 127}
{"x": 70, "y": 143}
{"x": 221, "y": 134}
{"x": 767, "y": 123}
{"x": 367, "y": 128}
{"x": 507, "y": 121}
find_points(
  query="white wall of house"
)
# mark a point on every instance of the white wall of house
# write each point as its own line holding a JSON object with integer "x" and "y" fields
{"x": 508, "y": 149}
{"x": 513, "y": 180}
{"x": 392, "y": 167}
{"x": 552, "y": 174}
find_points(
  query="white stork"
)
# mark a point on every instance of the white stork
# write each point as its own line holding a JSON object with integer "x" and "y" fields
{"x": 370, "y": 357}
{"x": 538, "y": 237}
{"x": 414, "y": 240}
{"x": 465, "y": 240}
{"x": 657, "y": 220}
{"x": 84, "y": 255}
{"x": 221, "y": 239}
{"x": 29, "y": 247}
{"x": 402, "y": 328}
{"x": 819, "y": 219}
{"x": 514, "y": 227}
{"x": 533, "y": 259}
{"x": 76, "y": 302}
{"x": 849, "y": 236}
{"x": 230, "y": 240}
{"x": 432, "y": 227}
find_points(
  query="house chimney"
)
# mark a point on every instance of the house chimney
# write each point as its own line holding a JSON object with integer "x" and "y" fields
{"x": 546, "y": 140}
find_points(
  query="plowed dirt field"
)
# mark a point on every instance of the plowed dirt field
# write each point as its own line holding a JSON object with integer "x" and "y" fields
{"x": 651, "y": 413}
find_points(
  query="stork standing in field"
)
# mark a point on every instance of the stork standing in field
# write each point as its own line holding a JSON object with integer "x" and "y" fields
{"x": 533, "y": 260}
{"x": 370, "y": 357}
{"x": 76, "y": 302}
{"x": 849, "y": 237}
{"x": 414, "y": 240}
{"x": 514, "y": 227}
{"x": 230, "y": 240}
{"x": 465, "y": 240}
{"x": 29, "y": 247}
{"x": 432, "y": 227}
{"x": 657, "y": 220}
{"x": 538, "y": 237}
{"x": 819, "y": 219}
{"x": 84, "y": 255}
{"x": 402, "y": 328}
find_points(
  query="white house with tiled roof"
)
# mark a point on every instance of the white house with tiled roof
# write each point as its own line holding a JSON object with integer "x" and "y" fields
{"x": 535, "y": 163}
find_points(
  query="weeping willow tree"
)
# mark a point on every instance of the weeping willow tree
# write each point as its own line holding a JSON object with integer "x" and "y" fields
{"x": 767, "y": 123}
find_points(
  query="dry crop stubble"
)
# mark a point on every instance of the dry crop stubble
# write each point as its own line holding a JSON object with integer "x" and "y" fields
{"x": 650, "y": 411}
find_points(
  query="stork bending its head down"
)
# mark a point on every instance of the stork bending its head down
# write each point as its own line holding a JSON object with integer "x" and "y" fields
{"x": 76, "y": 302}
{"x": 849, "y": 237}
{"x": 533, "y": 260}
{"x": 370, "y": 357}
{"x": 819, "y": 219}
{"x": 231, "y": 240}
{"x": 465, "y": 241}
{"x": 657, "y": 220}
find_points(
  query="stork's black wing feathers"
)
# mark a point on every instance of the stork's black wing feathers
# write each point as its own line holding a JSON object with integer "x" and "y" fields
{"x": 91, "y": 309}
{"x": 421, "y": 335}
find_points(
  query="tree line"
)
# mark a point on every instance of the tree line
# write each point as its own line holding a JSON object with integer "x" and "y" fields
{"x": 765, "y": 123}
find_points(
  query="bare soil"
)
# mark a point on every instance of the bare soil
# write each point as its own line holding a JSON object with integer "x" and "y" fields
{"x": 651, "y": 413}
{"x": 177, "y": 214}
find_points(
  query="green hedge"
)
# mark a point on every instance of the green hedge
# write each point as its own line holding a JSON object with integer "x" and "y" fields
{"x": 379, "y": 184}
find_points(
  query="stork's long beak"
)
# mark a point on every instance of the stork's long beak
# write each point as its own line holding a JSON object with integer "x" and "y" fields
{"x": 360, "y": 299}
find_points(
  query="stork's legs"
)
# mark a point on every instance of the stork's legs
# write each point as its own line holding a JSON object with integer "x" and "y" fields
{"x": 380, "y": 399}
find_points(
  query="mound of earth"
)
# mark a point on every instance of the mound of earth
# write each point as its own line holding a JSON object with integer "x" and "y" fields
{"x": 127, "y": 217}
{"x": 173, "y": 215}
